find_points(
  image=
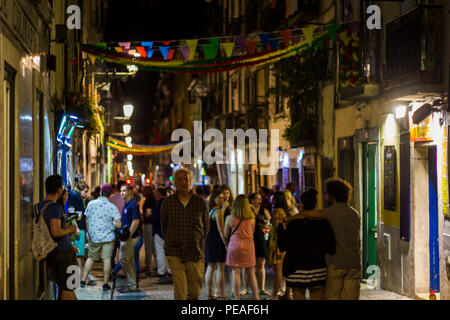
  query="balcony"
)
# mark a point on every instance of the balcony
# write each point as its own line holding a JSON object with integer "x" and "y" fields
{"x": 414, "y": 53}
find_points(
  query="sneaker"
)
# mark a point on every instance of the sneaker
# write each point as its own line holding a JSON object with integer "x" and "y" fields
{"x": 106, "y": 287}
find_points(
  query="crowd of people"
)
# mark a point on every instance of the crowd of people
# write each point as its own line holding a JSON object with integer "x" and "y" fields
{"x": 195, "y": 235}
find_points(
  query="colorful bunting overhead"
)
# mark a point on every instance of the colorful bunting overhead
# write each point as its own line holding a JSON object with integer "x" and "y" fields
{"x": 237, "y": 51}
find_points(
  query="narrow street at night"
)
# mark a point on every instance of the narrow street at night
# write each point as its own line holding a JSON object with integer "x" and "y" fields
{"x": 254, "y": 154}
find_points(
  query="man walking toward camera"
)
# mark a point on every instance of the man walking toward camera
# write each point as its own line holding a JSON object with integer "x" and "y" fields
{"x": 131, "y": 219}
{"x": 185, "y": 224}
{"x": 102, "y": 218}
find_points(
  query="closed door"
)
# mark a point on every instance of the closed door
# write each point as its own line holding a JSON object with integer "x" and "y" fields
{"x": 434, "y": 219}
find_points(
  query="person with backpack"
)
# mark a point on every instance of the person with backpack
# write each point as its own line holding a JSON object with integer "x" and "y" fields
{"x": 63, "y": 256}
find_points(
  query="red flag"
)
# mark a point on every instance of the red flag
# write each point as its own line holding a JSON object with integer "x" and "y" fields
{"x": 171, "y": 53}
{"x": 286, "y": 35}
{"x": 142, "y": 52}
{"x": 251, "y": 46}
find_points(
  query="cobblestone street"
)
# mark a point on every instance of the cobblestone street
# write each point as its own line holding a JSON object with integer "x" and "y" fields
{"x": 151, "y": 290}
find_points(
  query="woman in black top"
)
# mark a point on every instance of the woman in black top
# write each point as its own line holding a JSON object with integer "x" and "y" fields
{"x": 306, "y": 242}
{"x": 215, "y": 249}
{"x": 261, "y": 239}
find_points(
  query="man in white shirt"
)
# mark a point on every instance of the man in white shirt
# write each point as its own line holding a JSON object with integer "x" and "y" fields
{"x": 102, "y": 218}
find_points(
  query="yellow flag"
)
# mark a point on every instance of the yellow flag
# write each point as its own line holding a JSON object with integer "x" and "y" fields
{"x": 228, "y": 48}
{"x": 309, "y": 34}
{"x": 192, "y": 44}
{"x": 92, "y": 58}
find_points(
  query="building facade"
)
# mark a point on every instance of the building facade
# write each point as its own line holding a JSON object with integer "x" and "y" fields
{"x": 393, "y": 147}
{"x": 40, "y": 67}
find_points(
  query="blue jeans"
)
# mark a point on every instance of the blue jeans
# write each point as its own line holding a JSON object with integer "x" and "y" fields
{"x": 137, "y": 248}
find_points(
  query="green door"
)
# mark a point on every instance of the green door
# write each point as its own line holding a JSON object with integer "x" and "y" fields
{"x": 369, "y": 214}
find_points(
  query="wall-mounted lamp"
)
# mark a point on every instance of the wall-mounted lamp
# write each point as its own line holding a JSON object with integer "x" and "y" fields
{"x": 424, "y": 112}
{"x": 400, "y": 112}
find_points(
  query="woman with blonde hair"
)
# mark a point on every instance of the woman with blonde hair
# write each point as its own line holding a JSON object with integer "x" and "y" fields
{"x": 239, "y": 229}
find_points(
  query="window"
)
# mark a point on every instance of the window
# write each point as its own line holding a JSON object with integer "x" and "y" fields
{"x": 279, "y": 101}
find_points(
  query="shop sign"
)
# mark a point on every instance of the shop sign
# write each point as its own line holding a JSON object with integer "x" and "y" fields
{"x": 421, "y": 132}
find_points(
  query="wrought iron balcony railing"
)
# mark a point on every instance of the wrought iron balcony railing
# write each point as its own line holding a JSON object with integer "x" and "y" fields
{"x": 414, "y": 48}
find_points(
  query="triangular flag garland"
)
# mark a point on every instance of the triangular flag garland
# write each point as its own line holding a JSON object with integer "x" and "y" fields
{"x": 247, "y": 54}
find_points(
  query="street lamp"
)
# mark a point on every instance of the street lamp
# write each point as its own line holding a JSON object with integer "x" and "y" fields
{"x": 126, "y": 129}
{"x": 128, "y": 109}
{"x": 129, "y": 140}
{"x": 130, "y": 157}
